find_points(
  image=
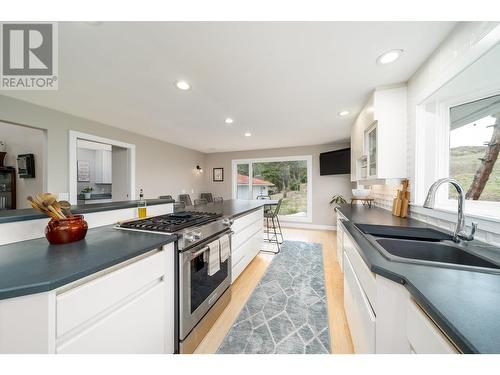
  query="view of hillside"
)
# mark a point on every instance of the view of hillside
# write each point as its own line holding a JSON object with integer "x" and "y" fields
{"x": 464, "y": 161}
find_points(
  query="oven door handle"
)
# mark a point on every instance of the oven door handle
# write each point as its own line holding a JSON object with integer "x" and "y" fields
{"x": 199, "y": 252}
{"x": 206, "y": 248}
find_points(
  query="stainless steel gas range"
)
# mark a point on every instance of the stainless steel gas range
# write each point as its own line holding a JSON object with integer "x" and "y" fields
{"x": 201, "y": 297}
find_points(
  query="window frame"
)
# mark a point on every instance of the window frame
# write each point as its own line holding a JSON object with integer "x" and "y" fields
{"x": 441, "y": 168}
{"x": 250, "y": 161}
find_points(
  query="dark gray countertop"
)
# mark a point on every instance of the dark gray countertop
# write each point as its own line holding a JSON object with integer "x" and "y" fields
{"x": 35, "y": 266}
{"x": 231, "y": 208}
{"x": 8, "y": 216}
{"x": 465, "y": 304}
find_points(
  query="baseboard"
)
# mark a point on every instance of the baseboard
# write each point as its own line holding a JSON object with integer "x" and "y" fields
{"x": 308, "y": 226}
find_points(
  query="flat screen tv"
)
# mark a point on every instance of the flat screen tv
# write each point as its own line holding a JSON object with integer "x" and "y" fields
{"x": 335, "y": 162}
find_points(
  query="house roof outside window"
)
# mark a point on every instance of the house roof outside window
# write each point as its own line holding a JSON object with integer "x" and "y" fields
{"x": 244, "y": 180}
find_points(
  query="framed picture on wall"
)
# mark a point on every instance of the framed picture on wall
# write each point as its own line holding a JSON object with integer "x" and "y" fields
{"x": 83, "y": 171}
{"x": 218, "y": 174}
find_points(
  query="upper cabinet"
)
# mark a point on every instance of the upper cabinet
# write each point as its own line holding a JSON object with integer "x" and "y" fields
{"x": 103, "y": 167}
{"x": 378, "y": 137}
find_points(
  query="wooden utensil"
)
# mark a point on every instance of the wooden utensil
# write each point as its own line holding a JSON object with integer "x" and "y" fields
{"x": 40, "y": 207}
{"x": 48, "y": 200}
{"x": 66, "y": 207}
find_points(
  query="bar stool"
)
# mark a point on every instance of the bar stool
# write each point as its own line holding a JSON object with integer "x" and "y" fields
{"x": 186, "y": 199}
{"x": 273, "y": 232}
{"x": 207, "y": 196}
{"x": 199, "y": 202}
{"x": 267, "y": 207}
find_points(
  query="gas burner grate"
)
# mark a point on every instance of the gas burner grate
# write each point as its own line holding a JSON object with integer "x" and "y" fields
{"x": 171, "y": 222}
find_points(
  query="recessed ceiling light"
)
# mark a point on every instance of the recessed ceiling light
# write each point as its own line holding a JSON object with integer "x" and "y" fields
{"x": 344, "y": 113}
{"x": 389, "y": 56}
{"x": 229, "y": 120}
{"x": 248, "y": 134}
{"x": 182, "y": 85}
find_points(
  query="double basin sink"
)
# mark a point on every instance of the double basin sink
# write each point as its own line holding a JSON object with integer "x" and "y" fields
{"x": 426, "y": 246}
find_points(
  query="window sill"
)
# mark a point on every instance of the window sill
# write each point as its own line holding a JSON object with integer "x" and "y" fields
{"x": 448, "y": 212}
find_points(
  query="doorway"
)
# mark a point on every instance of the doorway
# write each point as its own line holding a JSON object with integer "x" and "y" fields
{"x": 103, "y": 167}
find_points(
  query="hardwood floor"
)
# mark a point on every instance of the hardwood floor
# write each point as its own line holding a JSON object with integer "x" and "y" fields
{"x": 245, "y": 284}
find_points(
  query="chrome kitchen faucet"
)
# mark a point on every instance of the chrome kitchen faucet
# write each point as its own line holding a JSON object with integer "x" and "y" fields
{"x": 460, "y": 233}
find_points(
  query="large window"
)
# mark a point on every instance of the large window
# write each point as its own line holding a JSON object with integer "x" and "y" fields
{"x": 474, "y": 147}
{"x": 288, "y": 178}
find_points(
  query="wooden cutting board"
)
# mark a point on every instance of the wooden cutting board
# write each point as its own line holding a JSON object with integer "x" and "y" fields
{"x": 401, "y": 203}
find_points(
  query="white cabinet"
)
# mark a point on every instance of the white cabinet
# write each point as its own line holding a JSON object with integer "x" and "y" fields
{"x": 382, "y": 316}
{"x": 359, "y": 313}
{"x": 128, "y": 308}
{"x": 103, "y": 167}
{"x": 136, "y": 327}
{"x": 403, "y": 327}
{"x": 340, "y": 239}
{"x": 423, "y": 335}
{"x": 378, "y": 137}
{"x": 246, "y": 241}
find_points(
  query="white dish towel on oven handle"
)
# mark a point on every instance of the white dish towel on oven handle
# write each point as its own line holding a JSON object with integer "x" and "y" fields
{"x": 224, "y": 248}
{"x": 213, "y": 258}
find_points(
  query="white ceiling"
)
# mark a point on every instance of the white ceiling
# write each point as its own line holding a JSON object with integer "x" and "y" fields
{"x": 284, "y": 82}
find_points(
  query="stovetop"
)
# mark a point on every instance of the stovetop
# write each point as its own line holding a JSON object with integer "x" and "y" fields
{"x": 171, "y": 223}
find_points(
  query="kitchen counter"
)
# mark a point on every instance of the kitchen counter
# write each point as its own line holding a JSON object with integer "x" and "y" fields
{"x": 8, "y": 216}
{"x": 464, "y": 304}
{"x": 231, "y": 208}
{"x": 35, "y": 266}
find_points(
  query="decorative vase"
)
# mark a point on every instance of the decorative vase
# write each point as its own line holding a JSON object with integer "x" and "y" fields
{"x": 2, "y": 157}
{"x": 87, "y": 195}
{"x": 72, "y": 229}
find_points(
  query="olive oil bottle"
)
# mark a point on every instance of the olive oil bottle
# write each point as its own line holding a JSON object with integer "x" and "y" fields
{"x": 141, "y": 206}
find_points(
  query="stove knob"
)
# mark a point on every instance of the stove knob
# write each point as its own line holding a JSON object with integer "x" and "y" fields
{"x": 196, "y": 235}
{"x": 189, "y": 236}
{"x": 227, "y": 222}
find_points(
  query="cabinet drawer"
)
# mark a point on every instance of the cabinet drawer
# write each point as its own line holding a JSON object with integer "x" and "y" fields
{"x": 358, "y": 311}
{"x": 85, "y": 301}
{"x": 245, "y": 255}
{"x": 244, "y": 221}
{"x": 340, "y": 243}
{"x": 137, "y": 327}
{"x": 424, "y": 336}
{"x": 239, "y": 238}
{"x": 365, "y": 276}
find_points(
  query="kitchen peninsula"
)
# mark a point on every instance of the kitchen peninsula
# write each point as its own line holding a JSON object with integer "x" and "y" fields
{"x": 71, "y": 298}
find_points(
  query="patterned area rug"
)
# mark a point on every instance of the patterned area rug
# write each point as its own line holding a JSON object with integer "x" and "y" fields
{"x": 287, "y": 311}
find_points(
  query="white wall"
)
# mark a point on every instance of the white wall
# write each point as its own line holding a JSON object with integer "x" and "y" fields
{"x": 465, "y": 44}
{"x": 324, "y": 187}
{"x": 24, "y": 140}
{"x": 161, "y": 168}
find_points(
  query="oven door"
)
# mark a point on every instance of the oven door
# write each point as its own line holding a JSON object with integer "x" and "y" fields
{"x": 199, "y": 291}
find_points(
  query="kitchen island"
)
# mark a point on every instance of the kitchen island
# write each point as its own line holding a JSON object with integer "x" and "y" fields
{"x": 113, "y": 292}
{"x": 463, "y": 305}
{"x": 232, "y": 208}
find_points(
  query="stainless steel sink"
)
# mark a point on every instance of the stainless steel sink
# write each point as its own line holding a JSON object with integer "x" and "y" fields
{"x": 433, "y": 252}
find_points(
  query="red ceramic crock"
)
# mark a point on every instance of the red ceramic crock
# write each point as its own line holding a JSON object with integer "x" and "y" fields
{"x": 72, "y": 229}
